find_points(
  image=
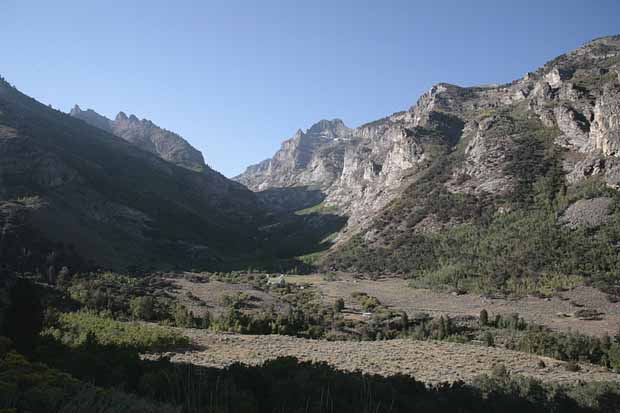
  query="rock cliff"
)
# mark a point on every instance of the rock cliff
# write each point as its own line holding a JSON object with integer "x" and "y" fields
{"x": 573, "y": 100}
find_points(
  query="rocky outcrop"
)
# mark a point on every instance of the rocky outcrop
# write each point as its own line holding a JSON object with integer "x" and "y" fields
{"x": 358, "y": 170}
{"x": 482, "y": 169}
{"x": 574, "y": 100}
{"x": 605, "y": 133}
{"x": 575, "y": 129}
{"x": 147, "y": 136}
{"x": 588, "y": 213}
{"x": 312, "y": 158}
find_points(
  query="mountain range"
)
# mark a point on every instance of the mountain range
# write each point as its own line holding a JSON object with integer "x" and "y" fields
{"x": 403, "y": 189}
{"x": 449, "y": 188}
{"x": 122, "y": 192}
{"x": 147, "y": 136}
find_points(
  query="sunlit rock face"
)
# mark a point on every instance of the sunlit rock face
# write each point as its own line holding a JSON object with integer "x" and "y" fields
{"x": 574, "y": 100}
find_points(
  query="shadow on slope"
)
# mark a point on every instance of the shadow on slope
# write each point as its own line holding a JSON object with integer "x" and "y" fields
{"x": 290, "y": 199}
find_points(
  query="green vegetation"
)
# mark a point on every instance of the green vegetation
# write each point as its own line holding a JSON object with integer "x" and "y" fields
{"x": 368, "y": 302}
{"x": 339, "y": 305}
{"x": 510, "y": 244}
{"x": 75, "y": 329}
{"x": 123, "y": 296}
{"x": 320, "y": 208}
{"x": 570, "y": 346}
{"x": 27, "y": 386}
{"x": 279, "y": 385}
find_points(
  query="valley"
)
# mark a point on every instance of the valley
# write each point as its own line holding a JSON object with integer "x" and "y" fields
{"x": 429, "y": 361}
{"x": 462, "y": 253}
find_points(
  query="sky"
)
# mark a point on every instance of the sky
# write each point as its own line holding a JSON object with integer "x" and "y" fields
{"x": 236, "y": 78}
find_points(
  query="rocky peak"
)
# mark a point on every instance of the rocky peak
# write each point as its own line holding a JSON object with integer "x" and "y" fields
{"x": 330, "y": 129}
{"x": 91, "y": 117}
{"x": 76, "y": 110}
{"x": 575, "y": 96}
{"x": 121, "y": 117}
{"x": 147, "y": 136}
{"x": 307, "y": 158}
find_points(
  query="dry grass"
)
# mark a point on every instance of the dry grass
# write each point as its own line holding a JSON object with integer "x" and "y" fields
{"x": 429, "y": 361}
{"x": 211, "y": 295}
{"x": 556, "y": 313}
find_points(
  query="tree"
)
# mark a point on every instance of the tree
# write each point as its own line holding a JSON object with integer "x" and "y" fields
{"x": 142, "y": 308}
{"x": 443, "y": 331}
{"x": 488, "y": 339}
{"x": 405, "y": 320}
{"x": 614, "y": 356}
{"x": 484, "y": 317}
{"x": 339, "y": 305}
{"x": 205, "y": 322}
{"x": 63, "y": 277}
{"x": 182, "y": 317}
{"x": 24, "y": 317}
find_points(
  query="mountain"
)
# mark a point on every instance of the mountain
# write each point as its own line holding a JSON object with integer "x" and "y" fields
{"x": 147, "y": 136}
{"x": 307, "y": 158}
{"x": 68, "y": 188}
{"x": 451, "y": 187}
{"x": 356, "y": 170}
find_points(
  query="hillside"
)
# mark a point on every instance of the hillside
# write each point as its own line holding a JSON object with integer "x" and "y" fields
{"x": 478, "y": 187}
{"x": 147, "y": 136}
{"x": 86, "y": 192}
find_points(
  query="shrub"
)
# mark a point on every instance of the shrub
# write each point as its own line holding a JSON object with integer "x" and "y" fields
{"x": 500, "y": 371}
{"x": 75, "y": 329}
{"x": 488, "y": 339}
{"x": 339, "y": 305}
{"x": 368, "y": 302}
{"x": 142, "y": 308}
{"x": 484, "y": 317}
{"x": 26, "y": 386}
{"x": 572, "y": 366}
{"x": 182, "y": 317}
{"x": 23, "y": 318}
{"x": 613, "y": 356}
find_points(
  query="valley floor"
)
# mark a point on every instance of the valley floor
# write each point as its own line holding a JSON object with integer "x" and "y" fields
{"x": 557, "y": 313}
{"x": 428, "y": 361}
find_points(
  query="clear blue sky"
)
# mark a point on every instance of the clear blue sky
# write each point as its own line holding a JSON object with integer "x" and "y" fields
{"x": 236, "y": 78}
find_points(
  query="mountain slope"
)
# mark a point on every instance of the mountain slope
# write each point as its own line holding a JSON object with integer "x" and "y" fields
{"x": 474, "y": 186}
{"x": 526, "y": 200}
{"x": 147, "y": 136}
{"x": 363, "y": 168}
{"x": 114, "y": 202}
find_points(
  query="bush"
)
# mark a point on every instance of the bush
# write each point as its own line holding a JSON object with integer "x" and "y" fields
{"x": 368, "y": 302}
{"x": 572, "y": 366}
{"x": 500, "y": 371}
{"x": 568, "y": 346}
{"x": 484, "y": 318}
{"x": 339, "y": 305}
{"x": 77, "y": 328}
{"x": 613, "y": 356}
{"x": 142, "y": 308}
{"x": 23, "y": 319}
{"x": 33, "y": 387}
{"x": 488, "y": 339}
{"x": 182, "y": 317}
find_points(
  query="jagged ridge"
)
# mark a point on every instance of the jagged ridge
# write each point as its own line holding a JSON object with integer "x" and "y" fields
{"x": 147, "y": 136}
